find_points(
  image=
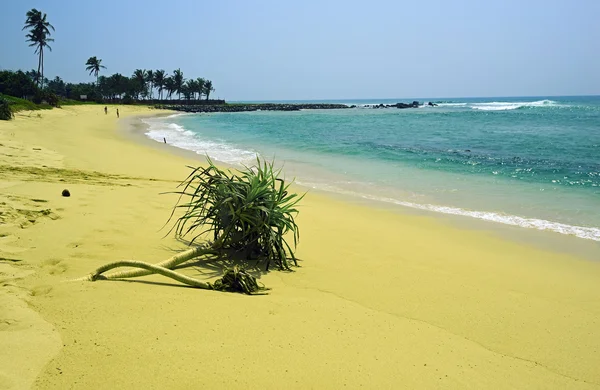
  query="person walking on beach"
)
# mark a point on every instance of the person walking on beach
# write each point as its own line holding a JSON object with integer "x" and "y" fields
{"x": 105, "y": 110}
{"x": 117, "y": 113}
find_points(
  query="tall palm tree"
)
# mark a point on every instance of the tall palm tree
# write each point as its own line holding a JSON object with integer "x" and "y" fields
{"x": 150, "y": 81}
{"x": 170, "y": 86}
{"x": 93, "y": 65}
{"x": 188, "y": 89}
{"x": 159, "y": 81}
{"x": 39, "y": 36}
{"x": 208, "y": 88}
{"x": 200, "y": 82}
{"x": 178, "y": 81}
{"x": 139, "y": 78}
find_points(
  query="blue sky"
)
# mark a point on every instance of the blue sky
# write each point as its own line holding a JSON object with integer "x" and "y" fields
{"x": 265, "y": 50}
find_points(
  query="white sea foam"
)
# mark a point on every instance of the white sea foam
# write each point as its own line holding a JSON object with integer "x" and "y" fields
{"x": 532, "y": 223}
{"x": 504, "y": 106}
{"x": 589, "y": 233}
{"x": 179, "y": 137}
{"x": 482, "y": 106}
{"x": 451, "y": 104}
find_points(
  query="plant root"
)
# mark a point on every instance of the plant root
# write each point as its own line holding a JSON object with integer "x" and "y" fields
{"x": 170, "y": 263}
{"x": 234, "y": 279}
{"x": 237, "y": 279}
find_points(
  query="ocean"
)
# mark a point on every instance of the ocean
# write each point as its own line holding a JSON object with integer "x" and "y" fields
{"x": 529, "y": 162}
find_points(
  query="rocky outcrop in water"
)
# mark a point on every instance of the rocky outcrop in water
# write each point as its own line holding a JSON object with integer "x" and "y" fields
{"x": 243, "y": 107}
{"x": 252, "y": 107}
{"x": 414, "y": 104}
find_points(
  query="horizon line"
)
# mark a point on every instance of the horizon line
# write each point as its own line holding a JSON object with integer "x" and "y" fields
{"x": 422, "y": 98}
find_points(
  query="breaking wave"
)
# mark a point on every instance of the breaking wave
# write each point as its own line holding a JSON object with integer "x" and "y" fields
{"x": 176, "y": 135}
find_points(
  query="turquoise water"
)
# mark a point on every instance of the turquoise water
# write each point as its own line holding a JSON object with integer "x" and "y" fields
{"x": 531, "y": 162}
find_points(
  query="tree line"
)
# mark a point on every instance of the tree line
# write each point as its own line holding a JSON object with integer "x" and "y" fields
{"x": 142, "y": 85}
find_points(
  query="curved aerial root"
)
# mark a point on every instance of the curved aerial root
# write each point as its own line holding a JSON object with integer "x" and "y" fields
{"x": 234, "y": 279}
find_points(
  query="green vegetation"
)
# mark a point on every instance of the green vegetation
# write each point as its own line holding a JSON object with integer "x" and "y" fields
{"x": 17, "y": 84}
{"x": 245, "y": 214}
{"x": 249, "y": 212}
{"x": 17, "y": 104}
{"x": 33, "y": 86}
{"x": 208, "y": 88}
{"x": 93, "y": 65}
{"x": 5, "y": 111}
{"x": 39, "y": 37}
{"x": 71, "y": 102}
{"x": 141, "y": 85}
{"x": 159, "y": 81}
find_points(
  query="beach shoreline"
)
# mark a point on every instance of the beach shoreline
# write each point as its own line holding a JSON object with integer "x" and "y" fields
{"x": 382, "y": 299}
{"x": 136, "y": 128}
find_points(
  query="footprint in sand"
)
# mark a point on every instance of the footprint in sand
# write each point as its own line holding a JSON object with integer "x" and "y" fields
{"x": 30, "y": 341}
{"x": 54, "y": 266}
{"x": 22, "y": 212}
{"x": 74, "y": 245}
{"x": 5, "y": 240}
{"x": 41, "y": 290}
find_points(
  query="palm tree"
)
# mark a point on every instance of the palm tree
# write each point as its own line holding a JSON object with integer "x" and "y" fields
{"x": 208, "y": 88}
{"x": 39, "y": 36}
{"x": 93, "y": 65}
{"x": 169, "y": 86}
{"x": 188, "y": 89}
{"x": 103, "y": 87}
{"x": 33, "y": 75}
{"x": 58, "y": 86}
{"x": 159, "y": 81}
{"x": 150, "y": 81}
{"x": 139, "y": 78}
{"x": 178, "y": 81}
{"x": 200, "y": 82}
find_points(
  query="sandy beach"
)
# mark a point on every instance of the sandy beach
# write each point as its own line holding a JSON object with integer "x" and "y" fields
{"x": 382, "y": 299}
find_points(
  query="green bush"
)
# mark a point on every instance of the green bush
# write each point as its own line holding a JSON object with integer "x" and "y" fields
{"x": 249, "y": 211}
{"x": 47, "y": 97}
{"x": 16, "y": 84}
{"x": 5, "y": 111}
{"x": 127, "y": 99}
{"x": 52, "y": 99}
{"x": 18, "y": 104}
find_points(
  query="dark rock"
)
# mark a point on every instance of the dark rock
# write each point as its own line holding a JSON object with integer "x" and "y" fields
{"x": 252, "y": 107}
{"x": 209, "y": 108}
{"x": 432, "y": 104}
{"x": 66, "y": 193}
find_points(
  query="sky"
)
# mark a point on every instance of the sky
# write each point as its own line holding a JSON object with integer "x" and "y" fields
{"x": 309, "y": 49}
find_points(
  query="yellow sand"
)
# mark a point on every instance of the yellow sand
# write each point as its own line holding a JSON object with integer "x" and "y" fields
{"x": 382, "y": 300}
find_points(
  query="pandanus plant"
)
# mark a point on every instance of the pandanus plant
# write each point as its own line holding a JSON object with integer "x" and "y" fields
{"x": 248, "y": 212}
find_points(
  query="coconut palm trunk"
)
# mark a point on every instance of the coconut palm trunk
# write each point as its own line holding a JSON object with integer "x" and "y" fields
{"x": 39, "y": 70}
{"x": 42, "y": 61}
